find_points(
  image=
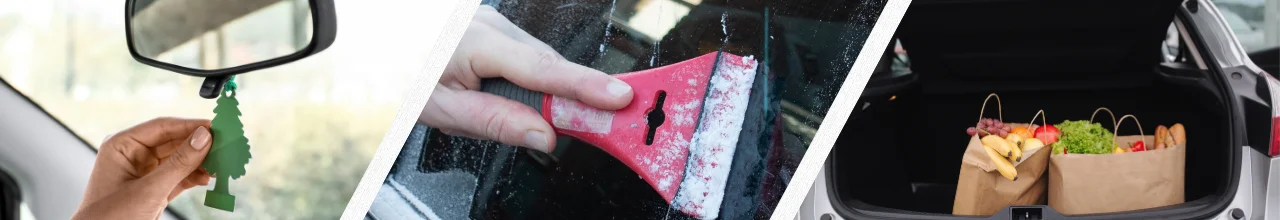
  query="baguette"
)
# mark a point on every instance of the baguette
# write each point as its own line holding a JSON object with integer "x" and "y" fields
{"x": 1162, "y": 137}
{"x": 1179, "y": 135}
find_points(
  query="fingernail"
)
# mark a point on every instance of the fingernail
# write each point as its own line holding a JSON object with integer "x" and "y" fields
{"x": 200, "y": 138}
{"x": 536, "y": 139}
{"x": 618, "y": 88}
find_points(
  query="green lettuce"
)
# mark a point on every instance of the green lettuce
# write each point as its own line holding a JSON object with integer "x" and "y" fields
{"x": 1082, "y": 137}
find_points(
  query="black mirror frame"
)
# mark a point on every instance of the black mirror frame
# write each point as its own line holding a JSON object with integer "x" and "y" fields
{"x": 324, "y": 30}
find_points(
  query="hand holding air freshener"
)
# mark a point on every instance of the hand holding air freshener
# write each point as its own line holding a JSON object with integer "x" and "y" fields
{"x": 230, "y": 149}
{"x": 148, "y": 39}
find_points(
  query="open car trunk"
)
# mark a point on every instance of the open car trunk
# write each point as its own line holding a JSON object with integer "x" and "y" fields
{"x": 899, "y": 155}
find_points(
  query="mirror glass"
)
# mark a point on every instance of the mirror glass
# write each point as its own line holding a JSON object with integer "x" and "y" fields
{"x": 219, "y": 34}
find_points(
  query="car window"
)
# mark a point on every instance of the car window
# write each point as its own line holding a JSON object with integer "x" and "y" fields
{"x": 24, "y": 212}
{"x": 805, "y": 49}
{"x": 313, "y": 124}
{"x": 1249, "y": 20}
{"x": 1236, "y": 23}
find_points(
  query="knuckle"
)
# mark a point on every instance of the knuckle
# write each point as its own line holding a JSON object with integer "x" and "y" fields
{"x": 162, "y": 120}
{"x": 546, "y": 61}
{"x": 495, "y": 124}
{"x": 472, "y": 36}
{"x": 180, "y": 159}
{"x": 108, "y": 139}
{"x": 459, "y": 74}
{"x": 156, "y": 119}
{"x": 453, "y": 68}
{"x": 581, "y": 91}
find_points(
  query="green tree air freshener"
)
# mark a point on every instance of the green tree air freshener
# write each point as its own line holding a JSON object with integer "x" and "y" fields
{"x": 230, "y": 150}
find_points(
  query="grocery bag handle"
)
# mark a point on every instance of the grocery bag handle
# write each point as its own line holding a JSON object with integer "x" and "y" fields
{"x": 1043, "y": 120}
{"x": 1114, "y": 123}
{"x": 999, "y": 107}
{"x": 1143, "y": 135}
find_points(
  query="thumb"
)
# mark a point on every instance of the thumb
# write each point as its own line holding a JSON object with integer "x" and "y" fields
{"x": 184, "y": 160}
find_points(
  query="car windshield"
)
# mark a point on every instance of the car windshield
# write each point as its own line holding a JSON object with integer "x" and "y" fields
{"x": 313, "y": 124}
{"x": 805, "y": 49}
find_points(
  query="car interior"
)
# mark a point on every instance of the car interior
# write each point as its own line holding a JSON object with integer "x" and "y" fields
{"x": 1268, "y": 60}
{"x": 901, "y": 152}
{"x": 10, "y": 197}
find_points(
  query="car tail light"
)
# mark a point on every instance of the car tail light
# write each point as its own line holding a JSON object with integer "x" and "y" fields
{"x": 1275, "y": 137}
{"x": 1274, "y": 86}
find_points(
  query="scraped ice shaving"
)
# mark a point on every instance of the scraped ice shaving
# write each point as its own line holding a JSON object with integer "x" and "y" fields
{"x": 676, "y": 144}
{"x": 713, "y": 144}
{"x": 660, "y": 164}
{"x": 575, "y": 116}
{"x": 665, "y": 182}
{"x": 683, "y": 114}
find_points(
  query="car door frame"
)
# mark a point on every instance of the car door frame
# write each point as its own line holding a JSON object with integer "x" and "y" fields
{"x": 54, "y": 175}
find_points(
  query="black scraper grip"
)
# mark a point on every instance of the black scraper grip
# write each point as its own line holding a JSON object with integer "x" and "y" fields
{"x": 504, "y": 88}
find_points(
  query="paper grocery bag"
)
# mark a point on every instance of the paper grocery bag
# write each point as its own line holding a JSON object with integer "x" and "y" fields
{"x": 1101, "y": 183}
{"x": 981, "y": 190}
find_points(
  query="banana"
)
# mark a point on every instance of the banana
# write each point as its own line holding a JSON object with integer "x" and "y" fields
{"x": 999, "y": 144}
{"x": 1015, "y": 141}
{"x": 1006, "y": 169}
{"x": 1017, "y": 154}
{"x": 1031, "y": 144}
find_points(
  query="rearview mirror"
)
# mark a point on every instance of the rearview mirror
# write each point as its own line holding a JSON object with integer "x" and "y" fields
{"x": 217, "y": 39}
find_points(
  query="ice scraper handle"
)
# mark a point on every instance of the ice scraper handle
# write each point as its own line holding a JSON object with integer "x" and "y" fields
{"x": 570, "y": 117}
{"x": 504, "y": 88}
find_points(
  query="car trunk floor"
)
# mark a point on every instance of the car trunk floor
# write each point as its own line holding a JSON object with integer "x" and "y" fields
{"x": 904, "y": 153}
